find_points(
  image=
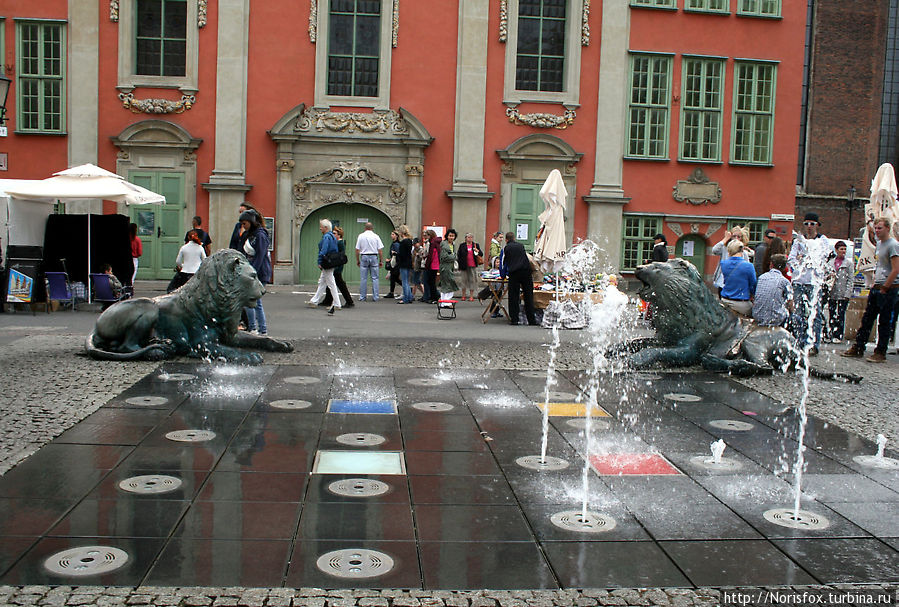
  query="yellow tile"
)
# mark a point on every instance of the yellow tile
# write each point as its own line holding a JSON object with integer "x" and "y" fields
{"x": 572, "y": 410}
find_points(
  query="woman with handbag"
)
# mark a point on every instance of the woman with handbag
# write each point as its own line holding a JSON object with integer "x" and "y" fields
{"x": 448, "y": 264}
{"x": 391, "y": 265}
{"x": 404, "y": 264}
{"x": 254, "y": 242}
{"x": 327, "y": 248}
{"x": 470, "y": 259}
{"x": 338, "y": 275}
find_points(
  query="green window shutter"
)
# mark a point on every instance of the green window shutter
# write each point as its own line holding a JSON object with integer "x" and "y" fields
{"x": 637, "y": 240}
{"x": 701, "y": 109}
{"x": 354, "y": 47}
{"x": 540, "y": 56}
{"x": 40, "y": 77}
{"x": 650, "y": 99}
{"x": 525, "y": 209}
{"x": 753, "y": 121}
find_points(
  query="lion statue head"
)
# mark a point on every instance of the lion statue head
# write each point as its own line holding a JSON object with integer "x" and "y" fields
{"x": 224, "y": 285}
{"x": 684, "y": 306}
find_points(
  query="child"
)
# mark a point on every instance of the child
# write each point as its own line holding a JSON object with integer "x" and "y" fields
{"x": 114, "y": 282}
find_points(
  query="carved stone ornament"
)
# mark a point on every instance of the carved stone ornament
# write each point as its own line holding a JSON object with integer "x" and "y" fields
{"x": 285, "y": 164}
{"x": 503, "y": 21}
{"x": 350, "y": 122}
{"x": 585, "y": 26}
{"x": 541, "y": 121}
{"x": 697, "y": 189}
{"x": 114, "y": 11}
{"x": 201, "y": 13}
{"x": 313, "y": 20}
{"x": 675, "y": 229}
{"x": 156, "y": 106}
{"x": 414, "y": 170}
{"x": 350, "y": 172}
{"x": 713, "y": 227}
{"x": 396, "y": 21}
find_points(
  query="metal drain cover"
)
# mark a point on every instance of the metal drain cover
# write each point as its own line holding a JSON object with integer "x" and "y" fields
{"x": 191, "y": 436}
{"x": 86, "y": 560}
{"x": 581, "y": 423}
{"x": 574, "y": 520}
{"x": 534, "y": 374}
{"x": 872, "y": 461}
{"x": 302, "y": 379}
{"x": 732, "y": 425}
{"x": 358, "y": 487}
{"x": 150, "y": 484}
{"x": 535, "y": 462}
{"x": 433, "y": 406}
{"x": 682, "y": 397}
{"x": 363, "y": 439}
{"x": 802, "y": 519}
{"x": 355, "y": 563}
{"x": 425, "y": 381}
{"x": 175, "y": 377}
{"x": 290, "y": 403}
{"x": 147, "y": 401}
{"x": 707, "y": 462}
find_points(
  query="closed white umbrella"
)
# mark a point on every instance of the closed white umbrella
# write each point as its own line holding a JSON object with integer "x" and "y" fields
{"x": 550, "y": 248}
{"x": 882, "y": 204}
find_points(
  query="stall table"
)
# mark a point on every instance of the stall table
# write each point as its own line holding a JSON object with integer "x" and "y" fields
{"x": 542, "y": 298}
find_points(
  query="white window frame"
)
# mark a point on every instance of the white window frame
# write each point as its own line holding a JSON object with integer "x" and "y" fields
{"x": 129, "y": 80}
{"x": 571, "y": 78}
{"x": 322, "y": 98}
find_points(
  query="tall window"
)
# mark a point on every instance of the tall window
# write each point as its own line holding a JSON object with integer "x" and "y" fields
{"x": 354, "y": 40}
{"x": 161, "y": 37}
{"x": 708, "y": 6}
{"x": 701, "y": 107}
{"x": 655, "y": 3}
{"x": 540, "y": 60}
{"x": 637, "y": 241}
{"x": 754, "y": 85}
{"x": 759, "y": 8}
{"x": 756, "y": 229}
{"x": 40, "y": 77}
{"x": 650, "y": 98}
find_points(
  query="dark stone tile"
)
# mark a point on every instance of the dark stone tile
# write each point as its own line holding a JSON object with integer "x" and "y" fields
{"x": 103, "y": 434}
{"x": 70, "y": 481}
{"x": 126, "y": 417}
{"x": 11, "y": 548}
{"x": 838, "y": 526}
{"x": 835, "y": 561}
{"x": 318, "y": 404}
{"x": 453, "y": 462}
{"x": 468, "y": 523}
{"x": 260, "y": 445}
{"x": 559, "y": 487}
{"x": 829, "y": 488}
{"x": 214, "y": 562}
{"x": 254, "y": 487}
{"x": 356, "y": 521}
{"x": 405, "y": 572}
{"x": 32, "y": 517}
{"x": 444, "y": 441}
{"x": 392, "y": 439}
{"x": 735, "y": 563}
{"x": 30, "y": 568}
{"x": 683, "y": 460}
{"x": 461, "y": 490}
{"x": 497, "y": 565}
{"x": 413, "y": 420}
{"x": 343, "y": 423}
{"x": 748, "y": 489}
{"x": 879, "y": 519}
{"x": 227, "y": 520}
{"x": 671, "y": 521}
{"x": 173, "y": 399}
{"x": 398, "y": 492}
{"x": 68, "y": 458}
{"x": 109, "y": 489}
{"x": 223, "y": 423}
{"x": 626, "y": 526}
{"x": 672, "y": 489}
{"x": 120, "y": 518}
{"x": 175, "y": 457}
{"x": 612, "y": 565}
{"x": 891, "y": 541}
{"x": 407, "y": 395}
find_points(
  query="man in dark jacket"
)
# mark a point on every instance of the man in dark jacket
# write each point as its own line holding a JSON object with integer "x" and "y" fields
{"x": 516, "y": 266}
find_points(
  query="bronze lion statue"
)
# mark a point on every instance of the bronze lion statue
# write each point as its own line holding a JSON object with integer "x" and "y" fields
{"x": 692, "y": 327}
{"x": 199, "y": 320}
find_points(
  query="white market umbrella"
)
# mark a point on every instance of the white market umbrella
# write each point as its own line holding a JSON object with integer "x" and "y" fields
{"x": 550, "y": 248}
{"x": 882, "y": 204}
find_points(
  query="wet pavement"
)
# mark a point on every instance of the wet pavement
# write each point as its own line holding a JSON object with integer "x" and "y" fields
{"x": 202, "y": 476}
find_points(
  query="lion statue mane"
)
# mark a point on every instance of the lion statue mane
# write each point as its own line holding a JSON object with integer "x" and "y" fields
{"x": 199, "y": 320}
{"x": 692, "y": 327}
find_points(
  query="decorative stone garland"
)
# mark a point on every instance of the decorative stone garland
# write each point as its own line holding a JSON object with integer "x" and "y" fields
{"x": 541, "y": 120}
{"x": 156, "y": 106}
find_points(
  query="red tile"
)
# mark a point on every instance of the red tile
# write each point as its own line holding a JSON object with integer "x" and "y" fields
{"x": 632, "y": 464}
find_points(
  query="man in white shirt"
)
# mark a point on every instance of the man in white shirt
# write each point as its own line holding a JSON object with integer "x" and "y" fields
{"x": 369, "y": 256}
{"x": 807, "y": 260}
{"x": 190, "y": 256}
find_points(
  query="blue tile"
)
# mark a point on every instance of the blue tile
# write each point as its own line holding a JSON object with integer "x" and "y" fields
{"x": 383, "y": 407}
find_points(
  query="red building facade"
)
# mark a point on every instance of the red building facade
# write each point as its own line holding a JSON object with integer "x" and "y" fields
{"x": 672, "y": 116}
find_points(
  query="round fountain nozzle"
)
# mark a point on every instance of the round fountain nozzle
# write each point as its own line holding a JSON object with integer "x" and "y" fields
{"x": 796, "y": 519}
{"x": 583, "y": 522}
{"x": 535, "y": 462}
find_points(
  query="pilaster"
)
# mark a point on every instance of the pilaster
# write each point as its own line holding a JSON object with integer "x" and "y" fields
{"x": 83, "y": 66}
{"x": 604, "y": 225}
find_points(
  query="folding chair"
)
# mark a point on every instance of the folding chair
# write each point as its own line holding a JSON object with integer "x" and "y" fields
{"x": 446, "y": 309}
{"x": 59, "y": 289}
{"x": 103, "y": 290}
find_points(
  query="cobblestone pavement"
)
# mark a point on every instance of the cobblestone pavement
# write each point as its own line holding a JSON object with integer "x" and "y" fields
{"x": 47, "y": 386}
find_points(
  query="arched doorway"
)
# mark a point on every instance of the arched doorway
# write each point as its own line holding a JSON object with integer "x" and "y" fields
{"x": 691, "y": 247}
{"x": 350, "y": 217}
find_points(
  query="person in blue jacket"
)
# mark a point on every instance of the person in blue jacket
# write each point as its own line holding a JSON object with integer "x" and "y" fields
{"x": 254, "y": 243}
{"x": 739, "y": 280}
{"x": 328, "y": 244}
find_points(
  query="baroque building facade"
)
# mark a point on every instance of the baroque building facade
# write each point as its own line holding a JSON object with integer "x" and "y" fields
{"x": 673, "y": 116}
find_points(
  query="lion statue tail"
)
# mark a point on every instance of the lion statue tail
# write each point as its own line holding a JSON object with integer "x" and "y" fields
{"x": 153, "y": 351}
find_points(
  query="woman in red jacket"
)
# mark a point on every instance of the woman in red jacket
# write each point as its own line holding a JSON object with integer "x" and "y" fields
{"x": 468, "y": 257}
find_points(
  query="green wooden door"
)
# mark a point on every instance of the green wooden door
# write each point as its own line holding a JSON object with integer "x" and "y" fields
{"x": 695, "y": 246}
{"x": 350, "y": 217}
{"x": 160, "y": 227}
{"x": 526, "y": 205}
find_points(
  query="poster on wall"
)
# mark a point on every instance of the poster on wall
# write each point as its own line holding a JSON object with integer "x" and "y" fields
{"x": 521, "y": 231}
{"x": 688, "y": 248}
{"x": 439, "y": 230}
{"x": 20, "y": 288}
